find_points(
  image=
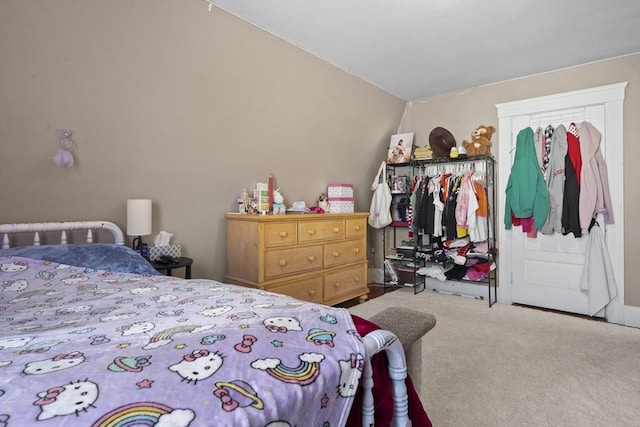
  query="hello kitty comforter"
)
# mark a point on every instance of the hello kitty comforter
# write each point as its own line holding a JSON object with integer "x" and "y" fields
{"x": 86, "y": 347}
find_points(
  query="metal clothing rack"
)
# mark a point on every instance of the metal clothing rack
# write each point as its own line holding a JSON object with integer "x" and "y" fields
{"x": 485, "y": 167}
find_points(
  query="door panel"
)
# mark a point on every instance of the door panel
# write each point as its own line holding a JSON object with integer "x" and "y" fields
{"x": 547, "y": 269}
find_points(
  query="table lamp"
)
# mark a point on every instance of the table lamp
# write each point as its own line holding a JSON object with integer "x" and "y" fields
{"x": 138, "y": 220}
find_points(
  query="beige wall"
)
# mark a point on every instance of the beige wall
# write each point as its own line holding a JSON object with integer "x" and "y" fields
{"x": 463, "y": 111}
{"x": 173, "y": 103}
{"x": 187, "y": 107}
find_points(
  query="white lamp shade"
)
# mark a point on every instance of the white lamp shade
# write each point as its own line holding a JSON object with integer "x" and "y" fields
{"x": 138, "y": 217}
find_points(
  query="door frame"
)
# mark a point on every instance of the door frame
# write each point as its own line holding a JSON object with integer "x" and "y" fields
{"x": 612, "y": 98}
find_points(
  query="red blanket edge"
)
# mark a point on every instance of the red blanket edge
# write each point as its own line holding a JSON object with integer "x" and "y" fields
{"x": 383, "y": 400}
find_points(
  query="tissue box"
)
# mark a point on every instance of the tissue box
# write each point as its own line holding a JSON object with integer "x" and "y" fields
{"x": 341, "y": 204}
{"x": 155, "y": 252}
{"x": 340, "y": 190}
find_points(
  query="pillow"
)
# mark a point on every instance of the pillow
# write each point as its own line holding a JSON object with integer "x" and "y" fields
{"x": 101, "y": 256}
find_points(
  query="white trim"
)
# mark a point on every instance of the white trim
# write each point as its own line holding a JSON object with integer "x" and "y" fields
{"x": 632, "y": 316}
{"x": 562, "y": 101}
{"x": 612, "y": 97}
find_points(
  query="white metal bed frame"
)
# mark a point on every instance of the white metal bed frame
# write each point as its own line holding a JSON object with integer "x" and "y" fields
{"x": 42, "y": 227}
{"x": 374, "y": 342}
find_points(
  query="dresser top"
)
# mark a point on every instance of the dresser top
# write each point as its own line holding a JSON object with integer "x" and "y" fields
{"x": 295, "y": 217}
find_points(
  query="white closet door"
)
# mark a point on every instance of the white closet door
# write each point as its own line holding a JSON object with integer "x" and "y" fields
{"x": 547, "y": 269}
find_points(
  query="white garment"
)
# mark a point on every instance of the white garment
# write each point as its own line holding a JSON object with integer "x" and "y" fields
{"x": 480, "y": 231}
{"x": 474, "y": 230}
{"x": 439, "y": 207}
{"x": 597, "y": 278}
{"x": 435, "y": 271}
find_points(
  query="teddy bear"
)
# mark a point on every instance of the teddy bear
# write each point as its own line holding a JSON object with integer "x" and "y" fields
{"x": 480, "y": 144}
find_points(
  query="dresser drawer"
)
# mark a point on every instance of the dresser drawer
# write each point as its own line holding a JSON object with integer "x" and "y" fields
{"x": 281, "y": 262}
{"x": 356, "y": 228}
{"x": 280, "y": 233}
{"x": 345, "y": 281}
{"x": 344, "y": 252}
{"x": 312, "y": 231}
{"x": 306, "y": 289}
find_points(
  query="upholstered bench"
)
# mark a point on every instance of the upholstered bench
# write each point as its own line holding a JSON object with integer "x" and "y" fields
{"x": 409, "y": 326}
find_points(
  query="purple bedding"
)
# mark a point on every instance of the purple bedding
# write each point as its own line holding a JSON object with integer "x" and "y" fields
{"x": 87, "y": 347}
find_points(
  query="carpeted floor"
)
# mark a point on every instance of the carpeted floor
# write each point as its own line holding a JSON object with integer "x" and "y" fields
{"x": 516, "y": 366}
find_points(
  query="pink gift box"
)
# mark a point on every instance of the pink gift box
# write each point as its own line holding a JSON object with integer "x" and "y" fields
{"x": 340, "y": 191}
{"x": 341, "y": 204}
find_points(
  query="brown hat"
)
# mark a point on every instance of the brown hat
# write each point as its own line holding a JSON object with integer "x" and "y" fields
{"x": 441, "y": 141}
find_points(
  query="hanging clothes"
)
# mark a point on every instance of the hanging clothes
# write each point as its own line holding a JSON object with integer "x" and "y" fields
{"x": 571, "y": 199}
{"x": 480, "y": 232}
{"x": 555, "y": 181}
{"x": 451, "y": 227}
{"x": 413, "y": 200}
{"x": 426, "y": 207}
{"x": 540, "y": 145}
{"x": 548, "y": 136}
{"x": 526, "y": 192}
{"x": 597, "y": 278}
{"x": 573, "y": 149}
{"x": 594, "y": 190}
{"x": 438, "y": 202}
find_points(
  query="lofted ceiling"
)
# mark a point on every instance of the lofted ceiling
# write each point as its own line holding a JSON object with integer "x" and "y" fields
{"x": 420, "y": 48}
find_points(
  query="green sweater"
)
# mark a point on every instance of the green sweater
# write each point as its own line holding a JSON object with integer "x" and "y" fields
{"x": 526, "y": 193}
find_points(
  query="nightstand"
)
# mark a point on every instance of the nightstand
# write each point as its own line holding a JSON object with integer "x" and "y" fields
{"x": 166, "y": 268}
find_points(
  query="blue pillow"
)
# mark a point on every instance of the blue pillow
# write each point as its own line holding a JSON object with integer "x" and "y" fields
{"x": 101, "y": 256}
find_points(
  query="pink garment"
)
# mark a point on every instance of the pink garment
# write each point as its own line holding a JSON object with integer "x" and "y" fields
{"x": 594, "y": 188}
{"x": 474, "y": 274}
{"x": 462, "y": 202}
{"x": 527, "y": 224}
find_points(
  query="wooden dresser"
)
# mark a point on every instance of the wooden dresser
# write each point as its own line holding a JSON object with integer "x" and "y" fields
{"x": 313, "y": 257}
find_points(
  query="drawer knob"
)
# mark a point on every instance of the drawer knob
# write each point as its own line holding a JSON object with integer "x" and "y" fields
{"x": 356, "y": 250}
{"x": 336, "y": 229}
{"x": 337, "y": 285}
{"x": 311, "y": 258}
{"x": 312, "y": 292}
{"x": 282, "y": 262}
{"x": 356, "y": 279}
{"x": 357, "y": 227}
{"x": 336, "y": 254}
{"x": 312, "y": 232}
{"x": 283, "y": 234}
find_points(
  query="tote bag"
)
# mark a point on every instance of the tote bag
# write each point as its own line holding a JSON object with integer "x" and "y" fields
{"x": 380, "y": 210}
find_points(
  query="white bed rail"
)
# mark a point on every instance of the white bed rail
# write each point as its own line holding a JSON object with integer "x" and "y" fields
{"x": 41, "y": 227}
{"x": 375, "y": 342}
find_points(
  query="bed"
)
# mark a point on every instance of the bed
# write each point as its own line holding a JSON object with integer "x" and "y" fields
{"x": 92, "y": 335}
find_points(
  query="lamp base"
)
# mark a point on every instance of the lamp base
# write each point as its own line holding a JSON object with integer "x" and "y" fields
{"x": 137, "y": 242}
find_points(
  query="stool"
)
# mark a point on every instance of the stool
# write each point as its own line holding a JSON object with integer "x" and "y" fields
{"x": 409, "y": 326}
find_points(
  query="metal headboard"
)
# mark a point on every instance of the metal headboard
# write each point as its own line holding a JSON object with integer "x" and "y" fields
{"x": 41, "y": 227}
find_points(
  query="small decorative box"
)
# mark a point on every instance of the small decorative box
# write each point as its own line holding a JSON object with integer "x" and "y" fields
{"x": 341, "y": 204}
{"x": 340, "y": 190}
{"x": 155, "y": 252}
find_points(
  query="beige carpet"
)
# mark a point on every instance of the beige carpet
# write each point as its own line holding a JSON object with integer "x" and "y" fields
{"x": 516, "y": 366}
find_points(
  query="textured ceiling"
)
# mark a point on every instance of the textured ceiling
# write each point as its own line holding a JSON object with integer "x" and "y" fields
{"x": 419, "y": 48}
